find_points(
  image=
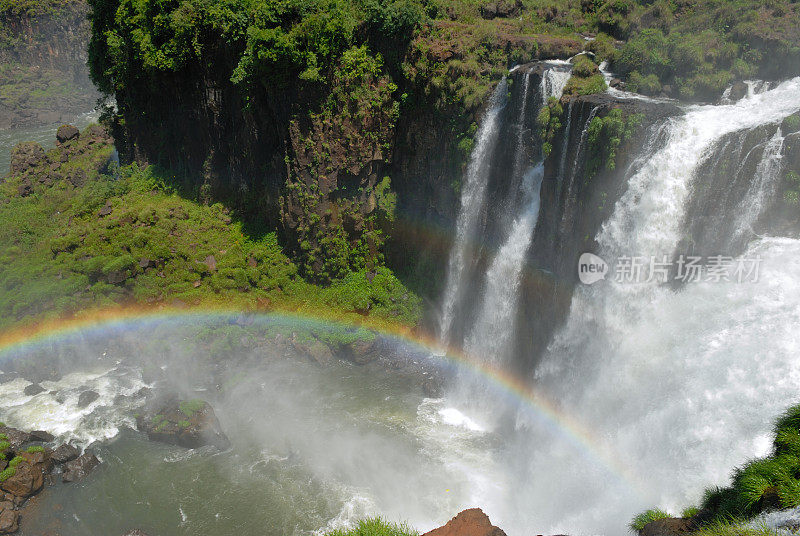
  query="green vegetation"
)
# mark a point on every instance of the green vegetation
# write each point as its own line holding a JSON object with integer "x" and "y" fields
{"x": 190, "y": 407}
{"x": 549, "y": 122}
{"x": 155, "y": 247}
{"x": 638, "y": 522}
{"x": 11, "y": 470}
{"x": 35, "y": 448}
{"x": 586, "y": 78}
{"x": 604, "y": 136}
{"x": 763, "y": 484}
{"x": 376, "y": 527}
{"x": 697, "y": 49}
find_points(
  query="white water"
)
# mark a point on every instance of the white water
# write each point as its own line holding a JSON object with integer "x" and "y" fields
{"x": 763, "y": 185}
{"x": 491, "y": 337}
{"x": 554, "y": 79}
{"x": 493, "y": 332}
{"x": 473, "y": 191}
{"x": 56, "y": 409}
{"x": 679, "y": 385}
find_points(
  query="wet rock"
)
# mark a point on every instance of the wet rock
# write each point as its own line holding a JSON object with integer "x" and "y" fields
{"x": 25, "y": 481}
{"x": 738, "y": 91}
{"x": 15, "y": 437}
{"x": 87, "y": 397}
{"x": 134, "y": 532}
{"x": 79, "y": 467}
{"x": 472, "y": 522}
{"x": 66, "y": 133}
{"x": 33, "y": 389}
{"x": 362, "y": 351}
{"x": 9, "y": 518}
{"x": 25, "y": 156}
{"x": 65, "y": 453}
{"x": 320, "y": 353}
{"x": 41, "y": 435}
{"x": 39, "y": 460}
{"x": 616, "y": 83}
{"x": 187, "y": 423}
{"x": 670, "y": 526}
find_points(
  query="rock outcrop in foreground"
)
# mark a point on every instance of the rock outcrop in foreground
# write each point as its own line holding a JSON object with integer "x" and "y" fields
{"x": 27, "y": 463}
{"x": 472, "y": 522}
{"x": 187, "y": 423}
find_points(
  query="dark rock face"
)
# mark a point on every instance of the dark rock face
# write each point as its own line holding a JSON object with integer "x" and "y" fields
{"x": 33, "y": 389}
{"x": 67, "y": 133}
{"x": 472, "y": 522}
{"x": 79, "y": 467}
{"x": 41, "y": 435}
{"x": 188, "y": 423}
{"x": 64, "y": 453}
{"x": 668, "y": 527}
{"x": 86, "y": 398}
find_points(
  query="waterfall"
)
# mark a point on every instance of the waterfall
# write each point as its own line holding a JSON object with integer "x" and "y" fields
{"x": 492, "y": 334}
{"x": 473, "y": 191}
{"x": 762, "y": 187}
{"x": 677, "y": 386}
{"x": 491, "y": 337}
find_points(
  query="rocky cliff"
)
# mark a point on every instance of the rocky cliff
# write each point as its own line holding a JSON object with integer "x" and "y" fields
{"x": 44, "y": 77}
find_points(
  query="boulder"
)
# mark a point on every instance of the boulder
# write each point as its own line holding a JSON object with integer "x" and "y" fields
{"x": 79, "y": 467}
{"x": 669, "y": 526}
{"x": 362, "y": 351}
{"x": 65, "y": 453}
{"x": 25, "y": 156}
{"x": 33, "y": 389}
{"x": 25, "y": 481}
{"x": 738, "y": 92}
{"x": 66, "y": 133}
{"x": 9, "y": 518}
{"x": 40, "y": 460}
{"x": 87, "y": 397}
{"x": 187, "y": 423}
{"x": 41, "y": 436}
{"x": 320, "y": 353}
{"x": 16, "y": 437}
{"x": 472, "y": 522}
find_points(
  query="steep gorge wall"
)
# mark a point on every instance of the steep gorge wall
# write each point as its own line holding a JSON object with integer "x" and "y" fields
{"x": 44, "y": 78}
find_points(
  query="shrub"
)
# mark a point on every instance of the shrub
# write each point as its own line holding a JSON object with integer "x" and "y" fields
{"x": 648, "y": 85}
{"x": 638, "y": 522}
{"x": 376, "y": 527}
{"x": 35, "y": 448}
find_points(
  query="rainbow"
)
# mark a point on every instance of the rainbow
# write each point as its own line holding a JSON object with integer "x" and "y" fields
{"x": 15, "y": 343}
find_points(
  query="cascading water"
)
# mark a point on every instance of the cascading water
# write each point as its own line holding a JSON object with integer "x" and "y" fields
{"x": 472, "y": 198}
{"x": 491, "y": 336}
{"x": 762, "y": 187}
{"x": 697, "y": 373}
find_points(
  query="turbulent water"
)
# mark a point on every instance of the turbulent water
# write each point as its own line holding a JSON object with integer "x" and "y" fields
{"x": 655, "y": 392}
